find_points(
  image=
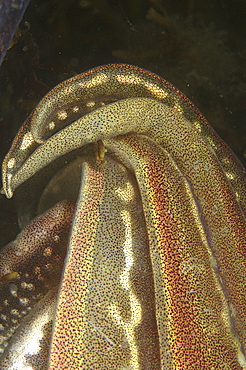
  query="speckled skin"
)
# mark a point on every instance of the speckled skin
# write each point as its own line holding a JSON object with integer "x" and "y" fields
{"x": 111, "y": 311}
{"x": 29, "y": 347}
{"x": 191, "y": 224}
{"x": 30, "y": 267}
{"x": 197, "y": 279}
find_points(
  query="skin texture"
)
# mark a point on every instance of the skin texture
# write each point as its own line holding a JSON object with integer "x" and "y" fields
{"x": 155, "y": 271}
{"x": 114, "y": 314}
{"x": 93, "y": 89}
{"x": 29, "y": 347}
{"x": 30, "y": 267}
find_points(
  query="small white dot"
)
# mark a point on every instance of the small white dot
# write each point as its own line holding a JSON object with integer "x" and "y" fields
{"x": 14, "y": 312}
{"x": 90, "y": 104}
{"x": 56, "y": 238}
{"x": 11, "y": 163}
{"x": 75, "y": 109}
{"x": 51, "y": 125}
{"x": 24, "y": 301}
{"x": 13, "y": 289}
{"x": 62, "y": 115}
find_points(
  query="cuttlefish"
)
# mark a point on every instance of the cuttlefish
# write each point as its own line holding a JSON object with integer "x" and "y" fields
{"x": 145, "y": 266}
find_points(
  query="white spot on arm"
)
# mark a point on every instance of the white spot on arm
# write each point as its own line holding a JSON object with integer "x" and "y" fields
{"x": 11, "y": 163}
{"x": 27, "y": 141}
{"x": 75, "y": 109}
{"x": 51, "y": 125}
{"x": 90, "y": 104}
{"x": 62, "y": 115}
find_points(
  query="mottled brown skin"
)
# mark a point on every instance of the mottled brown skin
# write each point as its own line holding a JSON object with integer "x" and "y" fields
{"x": 155, "y": 271}
{"x": 31, "y": 266}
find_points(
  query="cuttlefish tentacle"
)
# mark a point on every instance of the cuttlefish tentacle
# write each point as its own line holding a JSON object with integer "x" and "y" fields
{"x": 140, "y": 115}
{"x": 106, "y": 319}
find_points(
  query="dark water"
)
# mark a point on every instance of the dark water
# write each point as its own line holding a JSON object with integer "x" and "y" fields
{"x": 11, "y": 12}
{"x": 199, "y": 46}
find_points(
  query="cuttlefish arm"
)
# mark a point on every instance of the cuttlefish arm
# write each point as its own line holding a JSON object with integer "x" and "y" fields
{"x": 139, "y": 115}
{"x": 86, "y": 92}
{"x": 197, "y": 246}
{"x": 30, "y": 267}
{"x": 102, "y": 85}
{"x": 105, "y": 317}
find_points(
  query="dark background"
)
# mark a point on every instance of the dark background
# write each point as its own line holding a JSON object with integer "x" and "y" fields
{"x": 199, "y": 46}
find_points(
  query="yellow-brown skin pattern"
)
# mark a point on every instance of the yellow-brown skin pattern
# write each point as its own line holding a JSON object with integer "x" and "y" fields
{"x": 193, "y": 193}
{"x": 195, "y": 301}
{"x": 108, "y": 313}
